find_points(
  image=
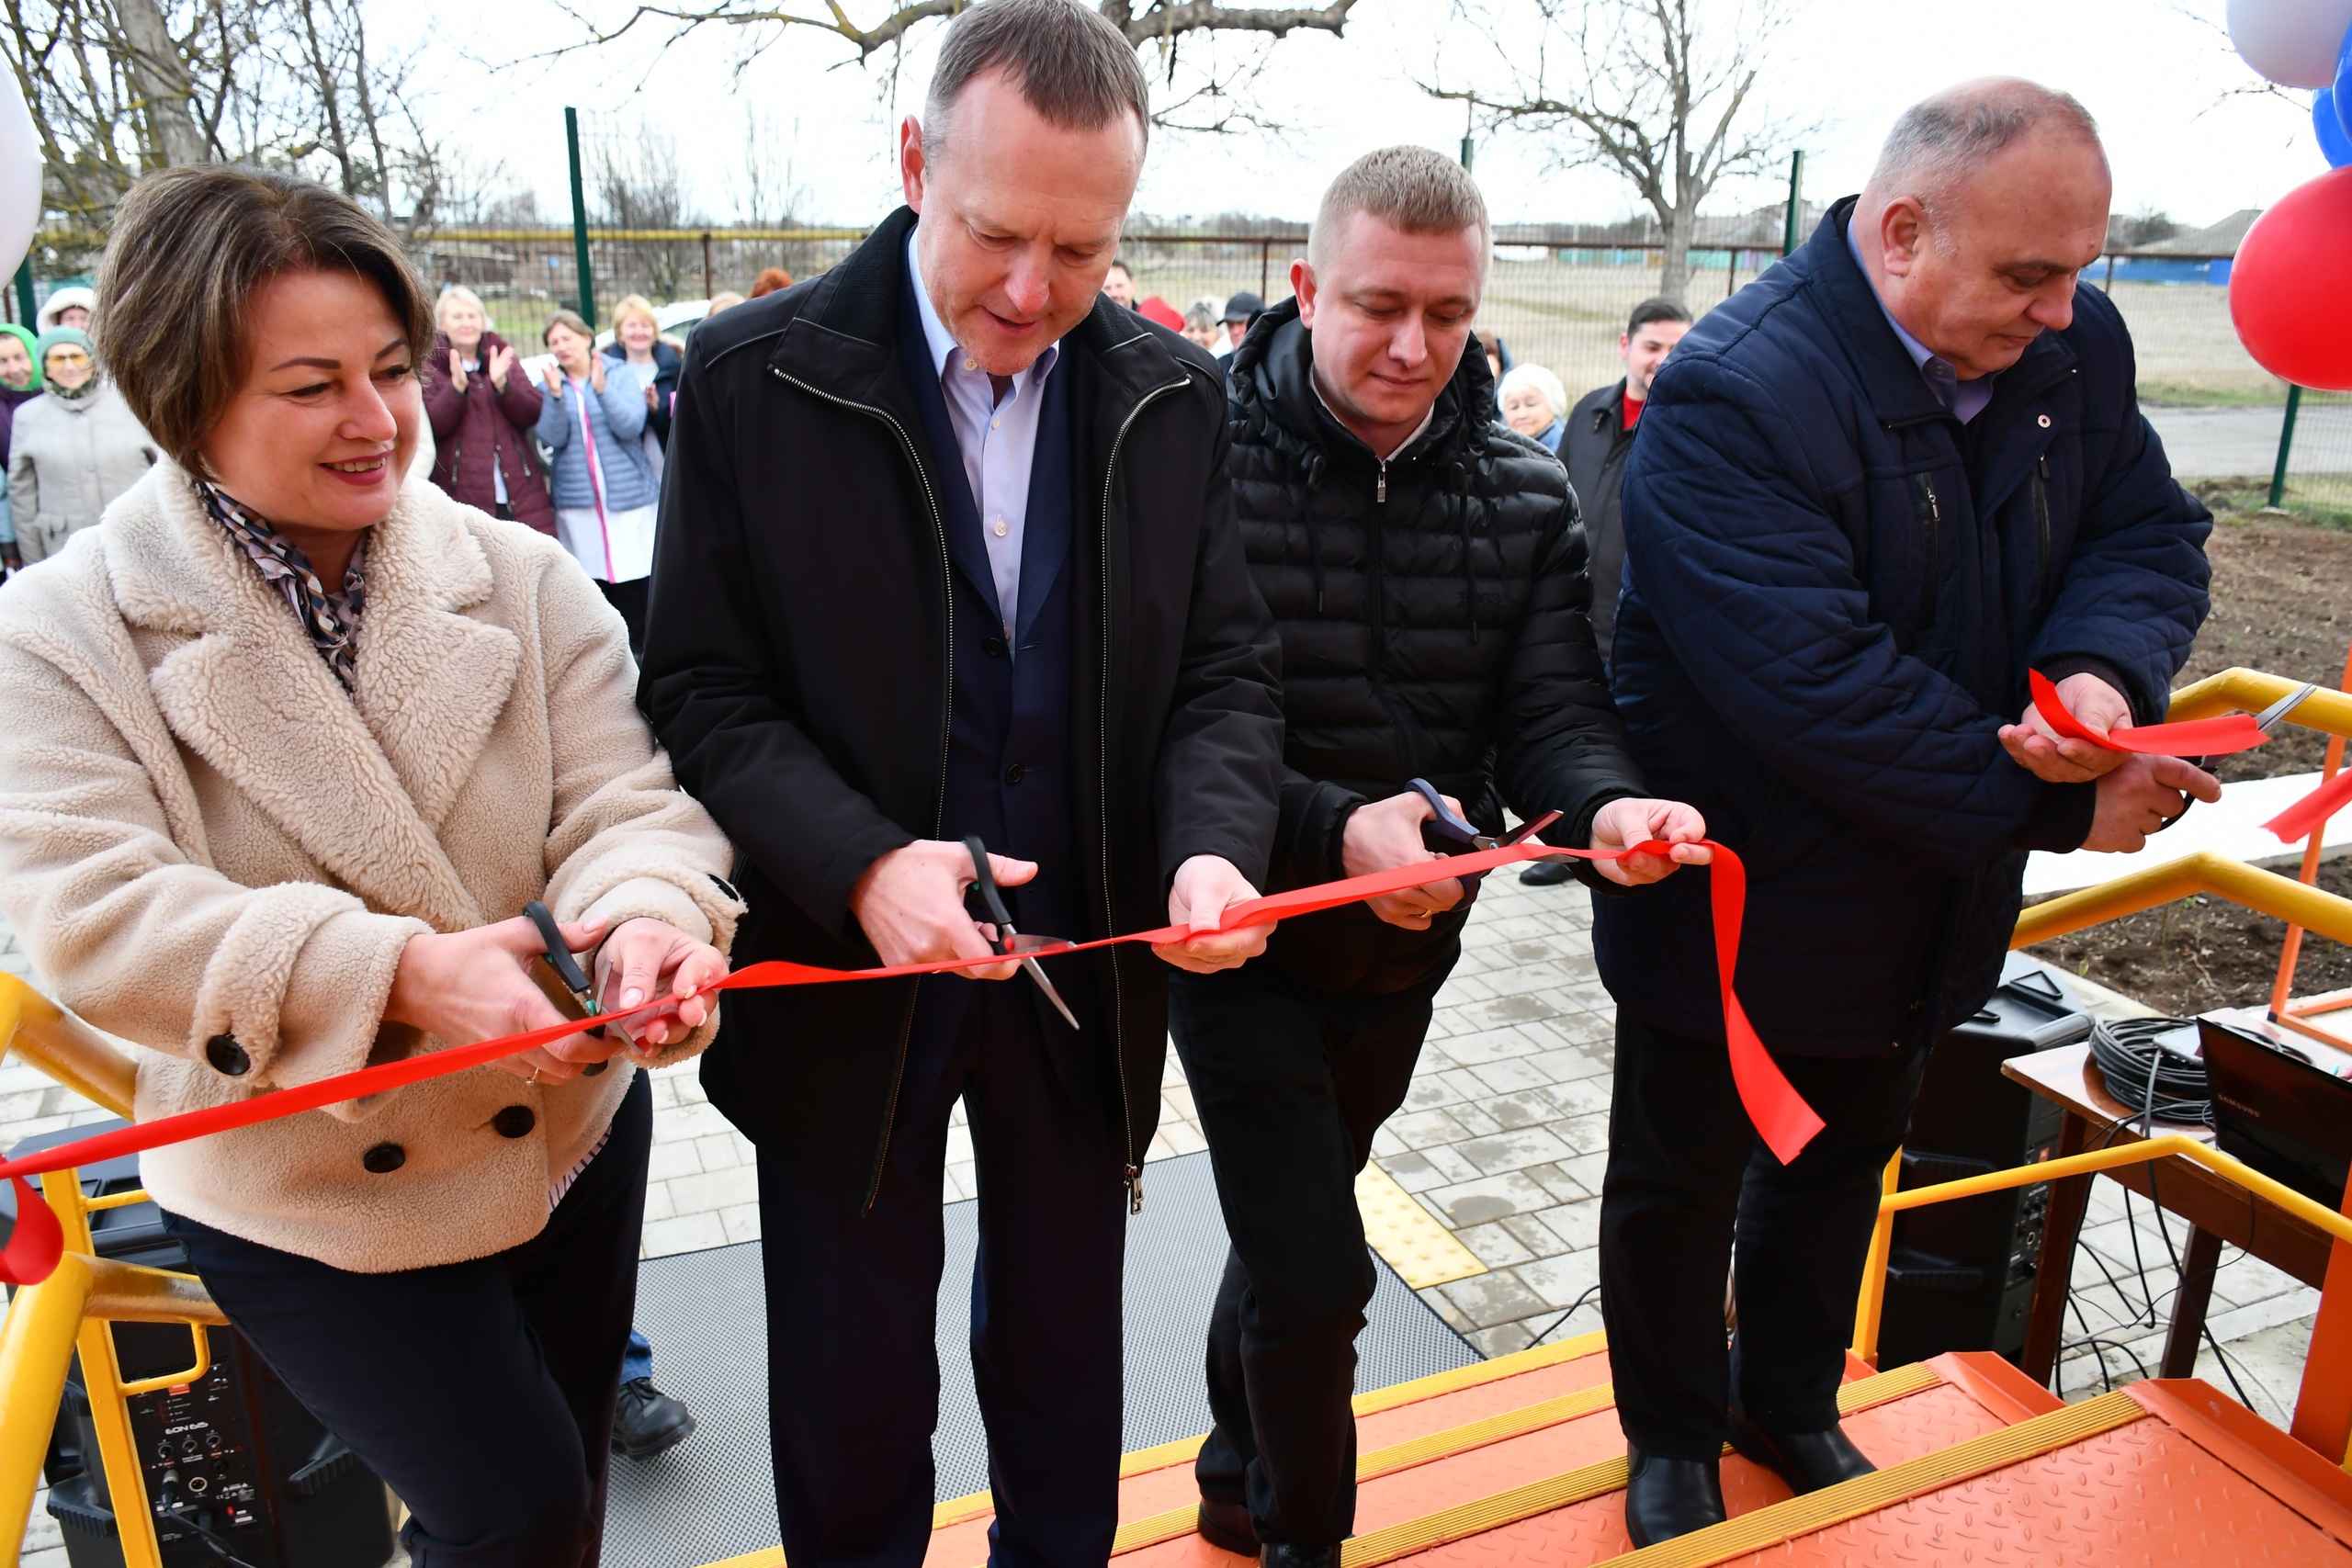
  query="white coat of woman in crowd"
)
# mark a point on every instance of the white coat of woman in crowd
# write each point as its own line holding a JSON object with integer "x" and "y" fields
{"x": 72, "y": 450}
{"x": 591, "y": 423}
{"x": 290, "y": 747}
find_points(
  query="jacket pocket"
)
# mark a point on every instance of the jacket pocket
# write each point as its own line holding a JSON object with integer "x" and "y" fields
{"x": 2040, "y": 483}
{"x": 1931, "y": 518}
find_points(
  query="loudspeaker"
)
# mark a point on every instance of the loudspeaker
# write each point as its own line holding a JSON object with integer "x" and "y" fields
{"x": 1961, "y": 1274}
{"x": 233, "y": 1455}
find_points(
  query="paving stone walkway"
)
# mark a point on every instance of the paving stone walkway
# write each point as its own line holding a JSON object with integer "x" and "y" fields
{"x": 1502, "y": 1138}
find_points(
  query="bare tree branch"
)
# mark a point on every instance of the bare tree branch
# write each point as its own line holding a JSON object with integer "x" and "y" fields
{"x": 1657, "y": 91}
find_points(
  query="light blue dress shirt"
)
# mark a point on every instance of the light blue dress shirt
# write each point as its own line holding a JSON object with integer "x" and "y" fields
{"x": 999, "y": 440}
{"x": 1965, "y": 398}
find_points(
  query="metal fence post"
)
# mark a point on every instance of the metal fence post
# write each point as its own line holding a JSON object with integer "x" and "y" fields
{"x": 2285, "y": 444}
{"x": 706, "y": 290}
{"x": 1731, "y": 272}
{"x": 1792, "y": 232}
{"x": 1265, "y": 265}
{"x": 25, "y": 291}
{"x": 580, "y": 221}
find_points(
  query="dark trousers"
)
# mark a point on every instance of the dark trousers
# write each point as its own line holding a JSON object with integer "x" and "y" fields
{"x": 482, "y": 1392}
{"x": 629, "y": 598}
{"x": 1686, "y": 1172}
{"x": 1289, "y": 1083}
{"x": 852, "y": 1299}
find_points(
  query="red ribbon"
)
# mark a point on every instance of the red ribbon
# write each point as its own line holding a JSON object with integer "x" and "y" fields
{"x": 2298, "y": 820}
{"x": 1780, "y": 1115}
{"x": 2191, "y": 738}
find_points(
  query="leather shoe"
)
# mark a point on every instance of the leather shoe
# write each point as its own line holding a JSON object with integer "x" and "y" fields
{"x": 1291, "y": 1554}
{"x": 646, "y": 1421}
{"x": 1807, "y": 1460}
{"x": 1547, "y": 873}
{"x": 1668, "y": 1497}
{"x": 1226, "y": 1527}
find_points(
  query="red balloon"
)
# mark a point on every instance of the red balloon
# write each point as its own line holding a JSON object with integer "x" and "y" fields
{"x": 2291, "y": 287}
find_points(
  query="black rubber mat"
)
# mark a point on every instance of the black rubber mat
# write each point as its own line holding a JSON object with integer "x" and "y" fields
{"x": 711, "y": 1497}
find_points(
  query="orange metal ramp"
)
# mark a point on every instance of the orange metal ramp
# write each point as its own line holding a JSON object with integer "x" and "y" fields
{"x": 2162, "y": 1473}
{"x": 1521, "y": 1453}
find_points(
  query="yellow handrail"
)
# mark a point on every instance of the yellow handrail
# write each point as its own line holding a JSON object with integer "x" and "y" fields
{"x": 73, "y": 1309}
{"x": 2250, "y": 690}
{"x": 65, "y": 1048}
{"x": 2265, "y": 891}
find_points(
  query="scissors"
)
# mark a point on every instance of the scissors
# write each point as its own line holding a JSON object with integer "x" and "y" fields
{"x": 2268, "y": 721}
{"x": 1007, "y": 940}
{"x": 1448, "y": 826}
{"x": 566, "y": 972}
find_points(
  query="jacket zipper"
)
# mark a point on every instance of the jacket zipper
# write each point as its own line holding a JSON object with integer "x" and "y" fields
{"x": 1931, "y": 517}
{"x": 1380, "y": 486}
{"x": 1103, "y": 785}
{"x": 2041, "y": 525}
{"x": 946, "y": 721}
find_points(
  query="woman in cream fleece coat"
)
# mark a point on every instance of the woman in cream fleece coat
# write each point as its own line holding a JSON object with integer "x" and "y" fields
{"x": 269, "y": 813}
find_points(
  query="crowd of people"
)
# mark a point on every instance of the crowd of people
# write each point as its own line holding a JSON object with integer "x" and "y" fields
{"x": 736, "y": 652}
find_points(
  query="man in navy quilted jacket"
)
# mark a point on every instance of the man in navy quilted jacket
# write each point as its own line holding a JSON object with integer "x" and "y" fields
{"x": 1871, "y": 492}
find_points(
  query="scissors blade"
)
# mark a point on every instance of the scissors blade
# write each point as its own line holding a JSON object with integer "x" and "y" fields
{"x": 2269, "y": 719}
{"x": 1037, "y": 973}
{"x": 1527, "y": 830}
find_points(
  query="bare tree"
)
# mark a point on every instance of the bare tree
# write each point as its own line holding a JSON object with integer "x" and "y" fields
{"x": 1661, "y": 91}
{"x": 770, "y": 193}
{"x": 1211, "y": 94}
{"x": 118, "y": 88}
{"x": 640, "y": 186}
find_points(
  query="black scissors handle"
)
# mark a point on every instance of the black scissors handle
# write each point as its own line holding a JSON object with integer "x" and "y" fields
{"x": 567, "y": 969}
{"x": 1447, "y": 823}
{"x": 984, "y": 884}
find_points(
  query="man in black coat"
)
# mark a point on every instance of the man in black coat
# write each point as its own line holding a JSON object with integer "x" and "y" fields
{"x": 1593, "y": 443}
{"x": 948, "y": 549}
{"x": 1427, "y": 572}
{"x": 1599, "y": 431}
{"x": 1896, "y": 474}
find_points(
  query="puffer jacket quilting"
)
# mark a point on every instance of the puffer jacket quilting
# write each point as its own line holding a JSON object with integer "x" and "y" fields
{"x": 1375, "y": 574}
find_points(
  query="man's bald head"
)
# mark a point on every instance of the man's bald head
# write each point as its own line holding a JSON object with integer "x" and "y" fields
{"x": 1988, "y": 200}
{"x": 1941, "y": 144}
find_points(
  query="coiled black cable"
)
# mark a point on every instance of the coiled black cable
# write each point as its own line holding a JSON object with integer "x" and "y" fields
{"x": 2166, "y": 1085}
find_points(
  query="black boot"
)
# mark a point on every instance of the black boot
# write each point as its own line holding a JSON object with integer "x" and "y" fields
{"x": 1668, "y": 1497}
{"x": 1226, "y": 1527}
{"x": 1289, "y": 1554}
{"x": 646, "y": 1420}
{"x": 1807, "y": 1460}
{"x": 1547, "y": 873}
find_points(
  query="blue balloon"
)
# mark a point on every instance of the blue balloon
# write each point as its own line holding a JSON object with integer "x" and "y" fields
{"x": 2343, "y": 89}
{"x": 2329, "y": 126}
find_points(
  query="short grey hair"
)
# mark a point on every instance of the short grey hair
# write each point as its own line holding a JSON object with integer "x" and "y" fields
{"x": 1071, "y": 65}
{"x": 1939, "y": 143}
{"x": 1411, "y": 188}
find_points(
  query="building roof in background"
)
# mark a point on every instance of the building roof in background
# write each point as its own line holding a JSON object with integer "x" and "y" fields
{"x": 2214, "y": 239}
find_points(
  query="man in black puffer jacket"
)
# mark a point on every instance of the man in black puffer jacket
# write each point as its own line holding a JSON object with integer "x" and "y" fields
{"x": 1427, "y": 572}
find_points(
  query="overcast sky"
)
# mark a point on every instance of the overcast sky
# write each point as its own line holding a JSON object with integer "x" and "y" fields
{"x": 2156, "y": 73}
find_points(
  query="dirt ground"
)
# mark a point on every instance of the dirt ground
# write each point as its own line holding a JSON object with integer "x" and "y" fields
{"x": 2282, "y": 602}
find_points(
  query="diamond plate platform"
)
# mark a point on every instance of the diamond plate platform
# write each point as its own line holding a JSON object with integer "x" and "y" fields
{"x": 711, "y": 1497}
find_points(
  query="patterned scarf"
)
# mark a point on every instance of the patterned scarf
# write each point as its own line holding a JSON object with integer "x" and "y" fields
{"x": 332, "y": 620}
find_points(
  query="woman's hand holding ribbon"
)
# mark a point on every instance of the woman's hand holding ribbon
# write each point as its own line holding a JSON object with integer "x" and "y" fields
{"x": 645, "y": 958}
